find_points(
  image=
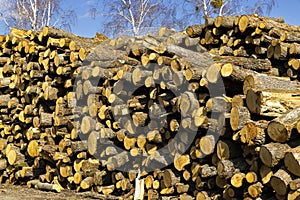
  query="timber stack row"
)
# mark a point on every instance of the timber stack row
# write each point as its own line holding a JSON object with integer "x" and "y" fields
{"x": 74, "y": 111}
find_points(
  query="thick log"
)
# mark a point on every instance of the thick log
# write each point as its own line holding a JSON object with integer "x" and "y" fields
{"x": 292, "y": 160}
{"x": 271, "y": 103}
{"x": 254, "y": 21}
{"x": 255, "y": 190}
{"x": 280, "y": 181}
{"x": 239, "y": 116}
{"x": 196, "y": 60}
{"x": 195, "y": 30}
{"x": 280, "y": 128}
{"x": 270, "y": 154}
{"x": 237, "y": 180}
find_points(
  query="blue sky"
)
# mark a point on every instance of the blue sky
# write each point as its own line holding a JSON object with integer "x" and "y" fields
{"x": 87, "y": 27}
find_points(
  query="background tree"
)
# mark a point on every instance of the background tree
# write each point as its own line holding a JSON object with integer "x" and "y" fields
{"x": 35, "y": 14}
{"x": 135, "y": 17}
{"x": 200, "y": 9}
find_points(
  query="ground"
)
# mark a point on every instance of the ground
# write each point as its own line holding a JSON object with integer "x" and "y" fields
{"x": 17, "y": 192}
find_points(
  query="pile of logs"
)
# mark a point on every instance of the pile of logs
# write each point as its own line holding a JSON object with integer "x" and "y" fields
{"x": 78, "y": 113}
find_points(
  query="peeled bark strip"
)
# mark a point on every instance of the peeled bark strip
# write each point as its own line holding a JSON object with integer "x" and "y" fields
{"x": 270, "y": 154}
{"x": 280, "y": 128}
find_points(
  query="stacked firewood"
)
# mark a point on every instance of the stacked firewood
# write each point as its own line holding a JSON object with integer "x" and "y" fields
{"x": 210, "y": 112}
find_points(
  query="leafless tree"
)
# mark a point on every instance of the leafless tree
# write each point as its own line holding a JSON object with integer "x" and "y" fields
{"x": 35, "y": 14}
{"x": 200, "y": 9}
{"x": 135, "y": 16}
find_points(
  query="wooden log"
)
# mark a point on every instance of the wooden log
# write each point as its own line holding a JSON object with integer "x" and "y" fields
{"x": 253, "y": 133}
{"x": 293, "y": 195}
{"x": 14, "y": 156}
{"x": 47, "y": 187}
{"x": 180, "y": 161}
{"x": 170, "y": 178}
{"x": 295, "y": 184}
{"x": 271, "y": 103}
{"x": 292, "y": 161}
{"x": 294, "y": 49}
{"x": 196, "y": 60}
{"x": 251, "y": 177}
{"x": 270, "y": 154}
{"x": 253, "y": 21}
{"x": 280, "y": 181}
{"x": 3, "y": 164}
{"x": 227, "y": 149}
{"x": 187, "y": 103}
{"x": 225, "y": 22}
{"x": 235, "y": 73}
{"x": 264, "y": 82}
{"x": 255, "y": 190}
{"x": 80, "y": 41}
{"x": 194, "y": 30}
{"x": 239, "y": 116}
{"x": 237, "y": 180}
{"x": 207, "y": 171}
{"x": 280, "y": 128}
{"x": 226, "y": 169}
{"x": 281, "y": 51}
{"x": 207, "y": 144}
{"x": 87, "y": 124}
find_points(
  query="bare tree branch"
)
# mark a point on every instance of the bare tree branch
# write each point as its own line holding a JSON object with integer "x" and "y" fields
{"x": 35, "y": 14}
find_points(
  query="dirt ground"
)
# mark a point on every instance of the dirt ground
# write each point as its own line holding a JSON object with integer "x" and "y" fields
{"x": 17, "y": 192}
